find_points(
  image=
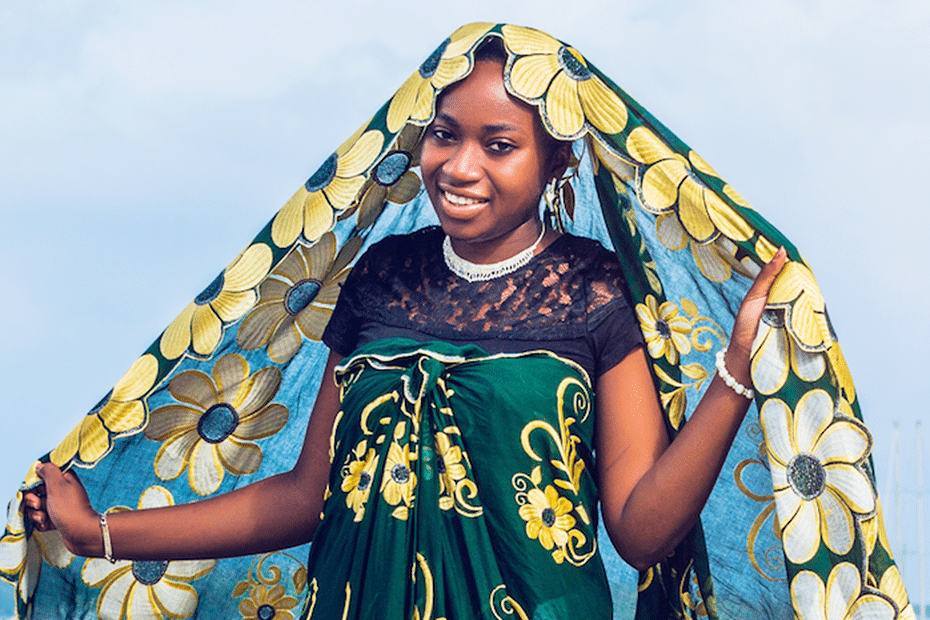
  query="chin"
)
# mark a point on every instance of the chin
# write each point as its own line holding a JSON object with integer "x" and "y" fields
{"x": 464, "y": 230}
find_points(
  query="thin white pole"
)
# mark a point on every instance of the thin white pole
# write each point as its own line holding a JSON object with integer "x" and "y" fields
{"x": 921, "y": 549}
{"x": 888, "y": 489}
{"x": 898, "y": 536}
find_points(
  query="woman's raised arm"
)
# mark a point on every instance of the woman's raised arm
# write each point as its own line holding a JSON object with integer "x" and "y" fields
{"x": 274, "y": 513}
{"x": 652, "y": 491}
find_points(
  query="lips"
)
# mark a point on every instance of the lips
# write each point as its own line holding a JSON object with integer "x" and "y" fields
{"x": 461, "y": 201}
{"x": 457, "y": 205}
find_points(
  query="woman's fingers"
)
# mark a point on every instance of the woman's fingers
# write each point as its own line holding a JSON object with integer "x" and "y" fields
{"x": 763, "y": 282}
{"x": 35, "y": 498}
{"x": 750, "y": 311}
{"x": 57, "y": 483}
{"x": 35, "y": 502}
{"x": 39, "y": 519}
{"x": 34, "y": 508}
{"x": 60, "y": 498}
{"x": 50, "y": 474}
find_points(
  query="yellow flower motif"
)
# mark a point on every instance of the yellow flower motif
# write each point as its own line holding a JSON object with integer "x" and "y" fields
{"x": 670, "y": 185}
{"x": 450, "y": 468}
{"x": 841, "y": 599}
{"x": 795, "y": 289}
{"x": 357, "y": 478}
{"x": 398, "y": 481}
{"x": 813, "y": 457}
{"x": 840, "y": 371}
{"x": 775, "y": 353}
{"x": 873, "y": 530}
{"x": 558, "y": 77}
{"x": 122, "y": 411}
{"x": 296, "y": 300}
{"x": 416, "y": 97}
{"x": 226, "y": 299}
{"x": 892, "y": 585}
{"x": 666, "y": 332}
{"x": 331, "y": 189}
{"x": 264, "y": 603}
{"x": 734, "y": 195}
{"x": 21, "y": 558}
{"x": 214, "y": 426}
{"x": 392, "y": 178}
{"x": 547, "y": 518}
{"x": 140, "y": 589}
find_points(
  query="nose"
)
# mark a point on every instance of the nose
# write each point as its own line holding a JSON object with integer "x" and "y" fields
{"x": 464, "y": 164}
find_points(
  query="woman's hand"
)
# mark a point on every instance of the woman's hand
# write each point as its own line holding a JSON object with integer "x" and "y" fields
{"x": 61, "y": 503}
{"x": 747, "y": 320}
{"x": 750, "y": 311}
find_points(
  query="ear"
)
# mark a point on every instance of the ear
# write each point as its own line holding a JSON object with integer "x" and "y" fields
{"x": 559, "y": 159}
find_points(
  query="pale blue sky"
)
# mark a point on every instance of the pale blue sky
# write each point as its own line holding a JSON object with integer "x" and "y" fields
{"x": 142, "y": 145}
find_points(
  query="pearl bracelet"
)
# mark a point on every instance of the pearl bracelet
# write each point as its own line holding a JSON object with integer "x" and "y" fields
{"x": 727, "y": 378}
{"x": 107, "y": 544}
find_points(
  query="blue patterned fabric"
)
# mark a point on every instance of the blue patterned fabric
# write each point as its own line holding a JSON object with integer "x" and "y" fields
{"x": 223, "y": 396}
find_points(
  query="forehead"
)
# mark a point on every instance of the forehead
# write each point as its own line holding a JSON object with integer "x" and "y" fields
{"x": 481, "y": 100}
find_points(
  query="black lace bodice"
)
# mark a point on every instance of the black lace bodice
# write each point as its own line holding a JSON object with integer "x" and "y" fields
{"x": 568, "y": 299}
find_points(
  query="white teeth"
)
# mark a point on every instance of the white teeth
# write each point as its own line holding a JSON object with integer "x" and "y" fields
{"x": 461, "y": 200}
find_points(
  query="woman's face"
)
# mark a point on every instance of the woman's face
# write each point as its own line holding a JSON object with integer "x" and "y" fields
{"x": 485, "y": 162}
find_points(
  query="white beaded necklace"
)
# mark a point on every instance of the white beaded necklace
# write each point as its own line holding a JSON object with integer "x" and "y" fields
{"x": 473, "y": 272}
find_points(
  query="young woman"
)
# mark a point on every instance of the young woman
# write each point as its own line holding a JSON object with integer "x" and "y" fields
{"x": 491, "y": 384}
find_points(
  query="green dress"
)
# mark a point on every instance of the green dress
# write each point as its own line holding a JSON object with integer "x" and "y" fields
{"x": 462, "y": 486}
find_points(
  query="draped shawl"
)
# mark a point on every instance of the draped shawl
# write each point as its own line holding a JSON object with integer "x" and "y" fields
{"x": 222, "y": 397}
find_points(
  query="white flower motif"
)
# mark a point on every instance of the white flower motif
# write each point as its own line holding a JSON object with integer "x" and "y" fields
{"x": 776, "y": 354}
{"x": 155, "y": 590}
{"x": 817, "y": 485}
{"x": 841, "y": 599}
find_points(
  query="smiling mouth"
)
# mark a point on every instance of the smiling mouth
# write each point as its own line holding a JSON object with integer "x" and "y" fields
{"x": 461, "y": 201}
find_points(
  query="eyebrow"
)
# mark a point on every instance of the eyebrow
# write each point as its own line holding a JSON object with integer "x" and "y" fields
{"x": 489, "y": 128}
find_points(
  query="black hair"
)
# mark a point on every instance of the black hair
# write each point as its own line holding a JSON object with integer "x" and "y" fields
{"x": 492, "y": 48}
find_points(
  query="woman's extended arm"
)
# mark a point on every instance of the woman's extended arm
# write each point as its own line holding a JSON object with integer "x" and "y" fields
{"x": 274, "y": 513}
{"x": 652, "y": 492}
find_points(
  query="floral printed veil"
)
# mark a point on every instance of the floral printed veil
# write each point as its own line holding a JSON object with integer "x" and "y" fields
{"x": 223, "y": 396}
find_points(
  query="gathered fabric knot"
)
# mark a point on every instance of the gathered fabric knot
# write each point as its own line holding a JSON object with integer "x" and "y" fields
{"x": 421, "y": 378}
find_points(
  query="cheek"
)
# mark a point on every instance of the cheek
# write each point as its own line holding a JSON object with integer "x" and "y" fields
{"x": 429, "y": 163}
{"x": 528, "y": 180}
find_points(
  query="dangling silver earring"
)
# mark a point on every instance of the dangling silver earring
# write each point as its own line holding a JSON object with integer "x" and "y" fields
{"x": 560, "y": 201}
{"x": 560, "y": 196}
{"x": 553, "y": 206}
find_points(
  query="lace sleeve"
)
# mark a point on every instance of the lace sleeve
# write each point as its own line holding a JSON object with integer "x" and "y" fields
{"x": 613, "y": 330}
{"x": 341, "y": 333}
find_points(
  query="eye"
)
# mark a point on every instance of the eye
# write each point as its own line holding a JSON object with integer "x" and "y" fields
{"x": 500, "y": 147}
{"x": 442, "y": 135}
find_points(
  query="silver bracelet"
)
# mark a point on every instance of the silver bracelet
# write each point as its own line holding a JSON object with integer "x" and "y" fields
{"x": 107, "y": 544}
{"x": 727, "y": 378}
